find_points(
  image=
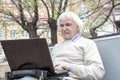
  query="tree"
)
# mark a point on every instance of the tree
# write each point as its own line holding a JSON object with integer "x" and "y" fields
{"x": 27, "y": 8}
{"x": 99, "y": 12}
{"x": 94, "y": 15}
{"x": 53, "y": 11}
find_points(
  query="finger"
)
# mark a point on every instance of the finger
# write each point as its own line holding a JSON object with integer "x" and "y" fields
{"x": 55, "y": 65}
{"x": 66, "y": 68}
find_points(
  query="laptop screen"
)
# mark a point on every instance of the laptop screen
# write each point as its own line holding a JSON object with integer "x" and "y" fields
{"x": 28, "y": 54}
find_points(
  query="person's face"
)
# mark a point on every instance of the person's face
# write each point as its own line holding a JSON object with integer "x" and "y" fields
{"x": 68, "y": 28}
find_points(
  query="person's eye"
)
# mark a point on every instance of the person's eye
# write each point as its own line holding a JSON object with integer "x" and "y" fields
{"x": 61, "y": 25}
{"x": 68, "y": 24}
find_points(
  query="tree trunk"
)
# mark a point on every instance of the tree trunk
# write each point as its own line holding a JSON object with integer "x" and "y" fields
{"x": 32, "y": 34}
{"x": 53, "y": 27}
{"x": 53, "y": 36}
{"x": 117, "y": 23}
{"x": 92, "y": 32}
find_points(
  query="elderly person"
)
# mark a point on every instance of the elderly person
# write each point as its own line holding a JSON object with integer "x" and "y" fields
{"x": 76, "y": 54}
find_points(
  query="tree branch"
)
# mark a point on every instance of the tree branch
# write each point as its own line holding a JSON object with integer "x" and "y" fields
{"x": 91, "y": 12}
{"x": 35, "y": 18}
{"x": 11, "y": 15}
{"x": 46, "y": 8}
{"x": 14, "y": 2}
{"x": 53, "y": 7}
{"x": 107, "y": 16}
{"x": 65, "y": 5}
{"x": 15, "y": 18}
{"x": 59, "y": 8}
{"x": 21, "y": 13}
{"x": 28, "y": 9}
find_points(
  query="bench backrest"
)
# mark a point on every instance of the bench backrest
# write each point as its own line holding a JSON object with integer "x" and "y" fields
{"x": 109, "y": 48}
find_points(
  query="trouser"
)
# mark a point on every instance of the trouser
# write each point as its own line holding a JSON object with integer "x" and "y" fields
{"x": 28, "y": 78}
{"x": 30, "y": 75}
{"x": 32, "y": 78}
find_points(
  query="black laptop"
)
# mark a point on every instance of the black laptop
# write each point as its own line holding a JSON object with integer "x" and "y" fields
{"x": 25, "y": 54}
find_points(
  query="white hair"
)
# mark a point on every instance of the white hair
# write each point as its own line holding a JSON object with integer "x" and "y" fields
{"x": 72, "y": 15}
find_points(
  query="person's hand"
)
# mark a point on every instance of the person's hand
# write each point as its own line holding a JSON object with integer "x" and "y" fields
{"x": 60, "y": 66}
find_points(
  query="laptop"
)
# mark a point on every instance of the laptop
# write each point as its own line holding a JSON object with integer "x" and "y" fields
{"x": 25, "y": 54}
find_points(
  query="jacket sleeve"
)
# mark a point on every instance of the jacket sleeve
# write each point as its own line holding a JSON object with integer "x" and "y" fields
{"x": 93, "y": 68}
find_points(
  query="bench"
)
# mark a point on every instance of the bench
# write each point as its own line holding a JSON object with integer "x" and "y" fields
{"x": 109, "y": 48}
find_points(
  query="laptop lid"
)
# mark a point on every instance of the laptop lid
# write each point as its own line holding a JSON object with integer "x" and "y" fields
{"x": 28, "y": 54}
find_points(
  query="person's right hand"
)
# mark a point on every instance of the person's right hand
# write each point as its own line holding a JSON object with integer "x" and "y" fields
{"x": 60, "y": 66}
